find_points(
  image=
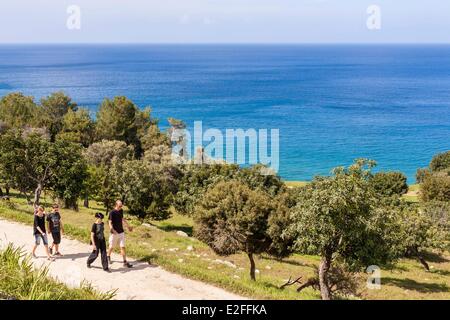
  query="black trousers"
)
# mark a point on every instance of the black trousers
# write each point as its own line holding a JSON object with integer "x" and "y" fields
{"x": 101, "y": 248}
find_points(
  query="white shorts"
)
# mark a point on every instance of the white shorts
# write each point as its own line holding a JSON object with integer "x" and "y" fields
{"x": 115, "y": 239}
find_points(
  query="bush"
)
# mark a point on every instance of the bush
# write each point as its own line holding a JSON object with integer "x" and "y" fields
{"x": 19, "y": 280}
{"x": 233, "y": 218}
{"x": 390, "y": 183}
{"x": 440, "y": 162}
{"x": 436, "y": 187}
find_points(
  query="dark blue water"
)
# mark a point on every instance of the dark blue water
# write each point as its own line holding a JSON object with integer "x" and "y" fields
{"x": 331, "y": 103}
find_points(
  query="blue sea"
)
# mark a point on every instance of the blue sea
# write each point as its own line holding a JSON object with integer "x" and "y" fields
{"x": 331, "y": 103}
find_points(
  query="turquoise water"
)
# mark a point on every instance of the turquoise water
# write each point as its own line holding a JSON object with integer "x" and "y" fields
{"x": 331, "y": 103}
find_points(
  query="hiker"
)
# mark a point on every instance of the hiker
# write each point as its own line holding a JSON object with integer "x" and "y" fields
{"x": 55, "y": 228}
{"x": 98, "y": 242}
{"x": 116, "y": 222}
{"x": 39, "y": 232}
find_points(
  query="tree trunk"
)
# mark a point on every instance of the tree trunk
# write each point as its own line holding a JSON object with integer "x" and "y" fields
{"x": 1, "y": 192}
{"x": 37, "y": 194}
{"x": 86, "y": 201}
{"x": 421, "y": 259}
{"x": 7, "y": 190}
{"x": 324, "y": 267}
{"x": 252, "y": 266}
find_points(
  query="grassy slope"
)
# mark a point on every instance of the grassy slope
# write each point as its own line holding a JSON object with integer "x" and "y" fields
{"x": 159, "y": 244}
{"x": 20, "y": 280}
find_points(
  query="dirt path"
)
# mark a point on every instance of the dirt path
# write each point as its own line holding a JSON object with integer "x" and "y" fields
{"x": 143, "y": 281}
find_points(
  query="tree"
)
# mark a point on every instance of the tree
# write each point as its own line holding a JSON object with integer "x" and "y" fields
{"x": 231, "y": 218}
{"x": 337, "y": 218}
{"x": 440, "y": 162}
{"x": 17, "y": 110}
{"x": 196, "y": 180}
{"x": 425, "y": 228}
{"x": 52, "y": 111}
{"x": 120, "y": 119}
{"x": 435, "y": 186}
{"x": 77, "y": 126}
{"x": 101, "y": 157}
{"x": 69, "y": 174}
{"x": 390, "y": 183}
{"x": 146, "y": 186}
{"x": 31, "y": 163}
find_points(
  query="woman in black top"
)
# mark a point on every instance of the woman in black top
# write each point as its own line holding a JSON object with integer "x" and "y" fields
{"x": 39, "y": 232}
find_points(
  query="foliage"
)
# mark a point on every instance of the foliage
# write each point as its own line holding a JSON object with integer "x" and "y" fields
{"x": 336, "y": 217}
{"x": 147, "y": 187}
{"x": 231, "y": 218}
{"x": 440, "y": 162}
{"x": 389, "y": 183}
{"x": 436, "y": 186}
{"x": 17, "y": 110}
{"x": 425, "y": 228}
{"x": 77, "y": 126}
{"x": 52, "y": 111}
{"x": 69, "y": 174}
{"x": 196, "y": 180}
{"x": 19, "y": 280}
{"x": 120, "y": 119}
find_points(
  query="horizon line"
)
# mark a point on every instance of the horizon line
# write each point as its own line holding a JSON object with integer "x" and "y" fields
{"x": 224, "y": 43}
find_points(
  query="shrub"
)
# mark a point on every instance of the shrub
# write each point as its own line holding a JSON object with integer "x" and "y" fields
{"x": 19, "y": 280}
{"x": 232, "y": 218}
{"x": 436, "y": 187}
{"x": 440, "y": 162}
{"x": 390, "y": 183}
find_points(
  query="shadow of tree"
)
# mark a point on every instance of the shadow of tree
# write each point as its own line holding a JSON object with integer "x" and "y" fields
{"x": 173, "y": 227}
{"x": 434, "y": 257}
{"x": 416, "y": 286}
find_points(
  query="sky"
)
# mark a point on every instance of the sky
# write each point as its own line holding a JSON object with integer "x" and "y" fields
{"x": 225, "y": 21}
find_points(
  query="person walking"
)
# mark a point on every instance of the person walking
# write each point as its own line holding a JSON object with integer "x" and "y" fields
{"x": 116, "y": 222}
{"x": 98, "y": 242}
{"x": 55, "y": 228}
{"x": 39, "y": 232}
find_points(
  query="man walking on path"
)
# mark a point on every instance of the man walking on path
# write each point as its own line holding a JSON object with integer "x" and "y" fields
{"x": 116, "y": 222}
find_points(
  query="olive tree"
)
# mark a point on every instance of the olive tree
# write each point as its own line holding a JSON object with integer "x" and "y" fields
{"x": 233, "y": 218}
{"x": 338, "y": 218}
{"x": 425, "y": 228}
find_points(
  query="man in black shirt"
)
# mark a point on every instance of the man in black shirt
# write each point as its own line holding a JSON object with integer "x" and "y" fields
{"x": 116, "y": 222}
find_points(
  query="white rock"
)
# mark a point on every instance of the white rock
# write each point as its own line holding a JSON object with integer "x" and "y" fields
{"x": 190, "y": 248}
{"x": 180, "y": 260}
{"x": 227, "y": 263}
{"x": 173, "y": 249}
{"x": 268, "y": 267}
{"x": 182, "y": 234}
{"x": 256, "y": 271}
{"x": 236, "y": 276}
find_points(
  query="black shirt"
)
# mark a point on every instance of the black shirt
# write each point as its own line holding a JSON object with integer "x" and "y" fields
{"x": 98, "y": 231}
{"x": 116, "y": 217}
{"x": 54, "y": 220}
{"x": 38, "y": 222}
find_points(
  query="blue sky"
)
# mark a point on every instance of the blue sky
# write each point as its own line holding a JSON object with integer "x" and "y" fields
{"x": 225, "y": 21}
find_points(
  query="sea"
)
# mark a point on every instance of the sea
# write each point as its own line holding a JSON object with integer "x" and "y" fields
{"x": 331, "y": 103}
